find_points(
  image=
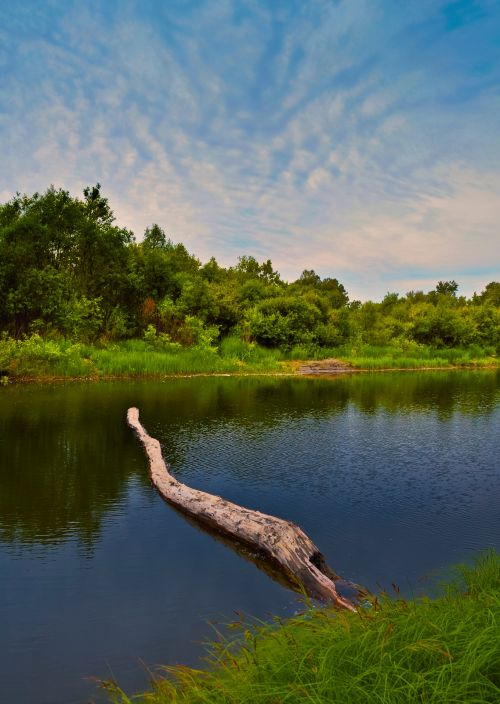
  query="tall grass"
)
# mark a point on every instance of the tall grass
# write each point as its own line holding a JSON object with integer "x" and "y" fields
{"x": 406, "y": 356}
{"x": 136, "y": 358}
{"x": 233, "y": 347}
{"x": 37, "y": 357}
{"x": 391, "y": 651}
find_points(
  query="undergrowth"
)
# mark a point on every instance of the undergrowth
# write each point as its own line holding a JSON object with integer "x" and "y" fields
{"x": 34, "y": 356}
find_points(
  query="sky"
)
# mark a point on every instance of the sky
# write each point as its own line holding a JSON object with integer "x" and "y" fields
{"x": 358, "y": 138}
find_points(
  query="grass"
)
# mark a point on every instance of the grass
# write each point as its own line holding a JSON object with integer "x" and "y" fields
{"x": 409, "y": 356}
{"x": 391, "y": 651}
{"x": 35, "y": 357}
{"x": 135, "y": 358}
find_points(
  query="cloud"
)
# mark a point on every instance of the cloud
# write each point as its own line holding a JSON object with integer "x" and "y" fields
{"x": 346, "y": 137}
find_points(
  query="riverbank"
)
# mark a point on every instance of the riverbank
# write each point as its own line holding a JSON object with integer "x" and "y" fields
{"x": 392, "y": 650}
{"x": 34, "y": 358}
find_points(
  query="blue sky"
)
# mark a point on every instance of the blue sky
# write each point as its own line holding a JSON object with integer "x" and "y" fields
{"x": 359, "y": 138}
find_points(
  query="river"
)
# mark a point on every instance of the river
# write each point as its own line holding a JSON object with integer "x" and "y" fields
{"x": 393, "y": 476}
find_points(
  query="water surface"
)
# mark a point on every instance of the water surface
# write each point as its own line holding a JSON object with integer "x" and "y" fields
{"x": 392, "y": 475}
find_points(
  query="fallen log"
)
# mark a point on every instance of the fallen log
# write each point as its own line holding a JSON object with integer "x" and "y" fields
{"x": 325, "y": 367}
{"x": 282, "y": 542}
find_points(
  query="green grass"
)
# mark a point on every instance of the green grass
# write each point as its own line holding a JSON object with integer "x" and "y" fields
{"x": 35, "y": 357}
{"x": 409, "y": 356}
{"x": 136, "y": 358}
{"x": 391, "y": 651}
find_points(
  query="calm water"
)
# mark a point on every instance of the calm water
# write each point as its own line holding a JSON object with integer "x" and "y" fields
{"x": 392, "y": 475}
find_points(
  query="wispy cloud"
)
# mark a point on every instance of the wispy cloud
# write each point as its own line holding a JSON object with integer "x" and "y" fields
{"x": 350, "y": 137}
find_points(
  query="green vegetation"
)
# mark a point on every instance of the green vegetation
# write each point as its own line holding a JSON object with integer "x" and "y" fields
{"x": 392, "y": 651}
{"x": 32, "y": 356}
{"x": 415, "y": 356}
{"x": 79, "y": 296}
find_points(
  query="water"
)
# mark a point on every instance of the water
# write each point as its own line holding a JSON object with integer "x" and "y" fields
{"x": 393, "y": 476}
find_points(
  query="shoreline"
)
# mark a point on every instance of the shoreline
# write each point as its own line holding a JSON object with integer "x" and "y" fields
{"x": 292, "y": 374}
{"x": 389, "y": 649}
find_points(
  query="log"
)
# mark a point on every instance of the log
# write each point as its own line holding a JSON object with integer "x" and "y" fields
{"x": 282, "y": 542}
{"x": 325, "y": 367}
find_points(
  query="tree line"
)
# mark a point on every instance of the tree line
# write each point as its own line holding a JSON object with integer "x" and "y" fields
{"x": 68, "y": 271}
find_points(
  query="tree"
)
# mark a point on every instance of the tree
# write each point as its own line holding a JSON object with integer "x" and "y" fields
{"x": 267, "y": 273}
{"x": 334, "y": 291}
{"x": 154, "y": 238}
{"x": 96, "y": 206}
{"x": 440, "y": 326}
{"x": 248, "y": 265}
{"x": 491, "y": 293}
{"x": 447, "y": 288}
{"x": 56, "y": 250}
{"x": 212, "y": 272}
{"x": 37, "y": 244}
{"x": 308, "y": 278}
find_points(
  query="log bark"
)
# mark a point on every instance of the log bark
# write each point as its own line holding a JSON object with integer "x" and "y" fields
{"x": 280, "y": 541}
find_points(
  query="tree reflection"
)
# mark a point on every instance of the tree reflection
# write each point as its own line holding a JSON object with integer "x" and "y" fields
{"x": 67, "y": 456}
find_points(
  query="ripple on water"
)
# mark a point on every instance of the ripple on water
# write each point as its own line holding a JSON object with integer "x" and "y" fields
{"x": 393, "y": 476}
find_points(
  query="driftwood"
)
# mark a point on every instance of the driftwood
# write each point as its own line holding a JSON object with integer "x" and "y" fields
{"x": 282, "y": 542}
{"x": 324, "y": 367}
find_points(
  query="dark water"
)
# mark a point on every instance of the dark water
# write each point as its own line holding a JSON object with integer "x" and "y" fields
{"x": 392, "y": 475}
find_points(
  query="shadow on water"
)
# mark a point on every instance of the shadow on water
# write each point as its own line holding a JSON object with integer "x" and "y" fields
{"x": 344, "y": 587}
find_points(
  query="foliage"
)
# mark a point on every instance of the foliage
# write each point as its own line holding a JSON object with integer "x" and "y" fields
{"x": 158, "y": 354}
{"x": 284, "y": 321}
{"x": 68, "y": 273}
{"x": 160, "y": 341}
{"x": 34, "y": 356}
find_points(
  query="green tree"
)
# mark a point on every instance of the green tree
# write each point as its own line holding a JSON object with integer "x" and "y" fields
{"x": 491, "y": 294}
{"x": 155, "y": 238}
{"x": 447, "y": 288}
{"x": 96, "y": 207}
{"x": 284, "y": 321}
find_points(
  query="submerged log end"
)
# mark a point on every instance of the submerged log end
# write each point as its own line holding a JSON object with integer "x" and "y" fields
{"x": 305, "y": 564}
{"x": 319, "y": 586}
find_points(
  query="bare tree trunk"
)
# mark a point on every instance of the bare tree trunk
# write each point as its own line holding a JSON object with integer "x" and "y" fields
{"x": 280, "y": 541}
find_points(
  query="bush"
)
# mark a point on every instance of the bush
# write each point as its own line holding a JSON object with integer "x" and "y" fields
{"x": 34, "y": 356}
{"x": 284, "y": 321}
{"x": 160, "y": 341}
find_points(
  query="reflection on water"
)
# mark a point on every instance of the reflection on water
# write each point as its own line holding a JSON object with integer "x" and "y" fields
{"x": 392, "y": 475}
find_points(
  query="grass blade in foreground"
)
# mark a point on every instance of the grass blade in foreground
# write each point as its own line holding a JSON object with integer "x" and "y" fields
{"x": 439, "y": 651}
